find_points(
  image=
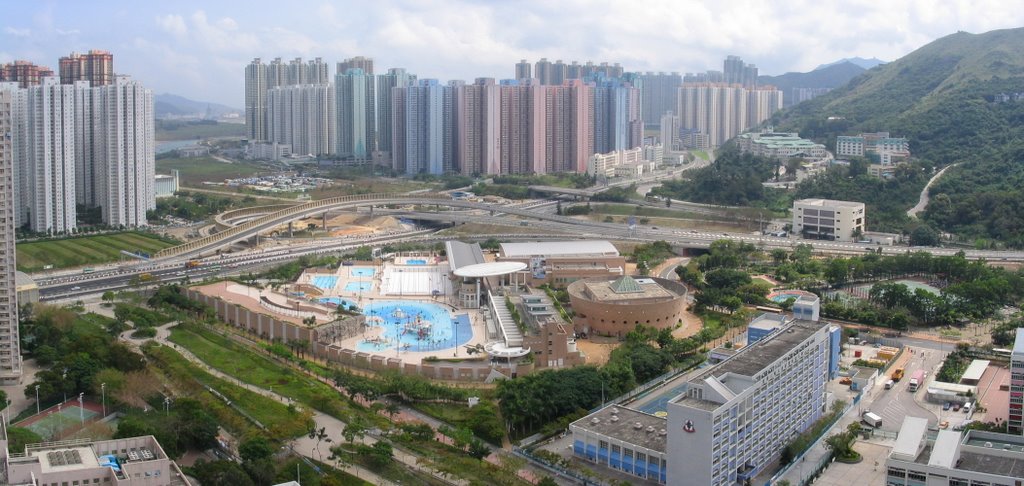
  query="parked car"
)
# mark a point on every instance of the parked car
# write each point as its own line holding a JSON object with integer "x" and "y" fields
{"x": 956, "y": 407}
{"x": 946, "y": 406}
{"x": 944, "y": 424}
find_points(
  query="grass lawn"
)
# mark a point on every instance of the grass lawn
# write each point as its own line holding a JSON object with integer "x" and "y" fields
{"x": 195, "y": 171}
{"x": 85, "y": 250}
{"x": 281, "y": 422}
{"x": 250, "y": 367}
{"x": 167, "y": 131}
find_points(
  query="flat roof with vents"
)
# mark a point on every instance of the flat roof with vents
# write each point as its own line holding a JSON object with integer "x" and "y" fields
{"x": 627, "y": 425}
{"x": 66, "y": 459}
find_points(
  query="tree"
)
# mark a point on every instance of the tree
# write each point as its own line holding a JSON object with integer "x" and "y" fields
{"x": 321, "y": 436}
{"x": 220, "y": 472}
{"x": 19, "y": 437}
{"x": 379, "y": 454}
{"x": 255, "y": 448}
{"x": 924, "y": 235}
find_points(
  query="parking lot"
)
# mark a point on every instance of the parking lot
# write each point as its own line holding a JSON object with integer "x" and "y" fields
{"x": 896, "y": 403}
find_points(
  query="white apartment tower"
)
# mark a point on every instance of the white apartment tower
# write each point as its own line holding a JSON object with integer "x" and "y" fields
{"x": 123, "y": 163}
{"x": 46, "y": 168}
{"x": 303, "y": 116}
{"x": 10, "y": 354}
{"x": 357, "y": 121}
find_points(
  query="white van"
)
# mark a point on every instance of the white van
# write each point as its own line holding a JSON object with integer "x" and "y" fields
{"x": 967, "y": 407}
{"x": 889, "y": 384}
{"x": 872, "y": 419}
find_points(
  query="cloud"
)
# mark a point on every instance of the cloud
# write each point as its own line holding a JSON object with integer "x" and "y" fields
{"x": 68, "y": 32}
{"x": 18, "y": 32}
{"x": 173, "y": 24}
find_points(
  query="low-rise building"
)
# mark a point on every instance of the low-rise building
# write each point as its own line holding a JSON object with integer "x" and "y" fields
{"x": 616, "y": 307}
{"x": 780, "y": 145}
{"x": 1015, "y": 420}
{"x": 193, "y": 151}
{"x": 879, "y": 147}
{"x": 27, "y": 289}
{"x": 126, "y": 462}
{"x": 953, "y": 458}
{"x": 548, "y": 336}
{"x": 560, "y": 263}
{"x": 165, "y": 185}
{"x": 828, "y": 219}
{"x": 269, "y": 151}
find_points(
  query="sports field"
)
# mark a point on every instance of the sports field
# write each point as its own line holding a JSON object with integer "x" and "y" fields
{"x": 56, "y": 423}
{"x": 85, "y": 250}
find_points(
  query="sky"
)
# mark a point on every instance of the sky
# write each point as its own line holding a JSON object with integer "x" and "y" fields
{"x": 199, "y": 49}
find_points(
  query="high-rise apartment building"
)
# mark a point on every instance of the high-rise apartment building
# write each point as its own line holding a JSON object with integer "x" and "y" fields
{"x": 357, "y": 116}
{"x": 1015, "y": 420}
{"x": 542, "y": 71}
{"x": 523, "y": 70}
{"x": 95, "y": 66}
{"x": 45, "y": 170}
{"x": 123, "y": 163}
{"x": 359, "y": 62}
{"x": 522, "y": 129}
{"x": 386, "y": 83}
{"x": 477, "y": 122}
{"x": 736, "y": 72}
{"x": 569, "y": 135}
{"x": 723, "y": 111}
{"x": 669, "y": 136}
{"x": 24, "y": 73}
{"x": 260, "y": 77}
{"x": 10, "y": 342}
{"x": 616, "y": 115}
{"x": 423, "y": 128}
{"x": 303, "y": 116}
{"x": 659, "y": 93}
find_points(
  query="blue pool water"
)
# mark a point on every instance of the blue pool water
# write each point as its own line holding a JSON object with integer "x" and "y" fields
{"x": 326, "y": 283}
{"x": 337, "y": 301}
{"x": 361, "y": 272}
{"x": 358, "y": 286}
{"x": 415, "y": 326}
{"x": 782, "y": 297}
{"x": 416, "y": 262}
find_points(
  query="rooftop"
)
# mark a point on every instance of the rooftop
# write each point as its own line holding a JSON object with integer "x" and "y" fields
{"x": 624, "y": 290}
{"x": 22, "y": 280}
{"x": 829, "y": 202}
{"x": 975, "y": 370}
{"x": 908, "y": 442}
{"x": 754, "y": 358}
{"x": 463, "y": 254}
{"x": 1018, "y": 344}
{"x": 767, "y": 321}
{"x": 580, "y": 249}
{"x": 622, "y": 423}
{"x": 489, "y": 269}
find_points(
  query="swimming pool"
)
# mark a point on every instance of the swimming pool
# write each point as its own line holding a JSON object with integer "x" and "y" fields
{"x": 416, "y": 261}
{"x": 337, "y": 301}
{"x": 415, "y": 326}
{"x": 358, "y": 286}
{"x": 361, "y": 272}
{"x": 326, "y": 283}
{"x": 783, "y": 296}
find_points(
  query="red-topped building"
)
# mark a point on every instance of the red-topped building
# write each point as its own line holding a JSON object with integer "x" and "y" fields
{"x": 96, "y": 66}
{"x": 25, "y": 73}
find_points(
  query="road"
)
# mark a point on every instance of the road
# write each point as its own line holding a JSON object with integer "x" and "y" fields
{"x": 922, "y": 201}
{"x": 895, "y": 404}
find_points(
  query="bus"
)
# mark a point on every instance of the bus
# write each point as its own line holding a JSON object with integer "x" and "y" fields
{"x": 916, "y": 380}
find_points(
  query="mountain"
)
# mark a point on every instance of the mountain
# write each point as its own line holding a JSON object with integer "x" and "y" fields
{"x": 955, "y": 100}
{"x": 797, "y": 87}
{"x": 170, "y": 105}
{"x": 857, "y": 61}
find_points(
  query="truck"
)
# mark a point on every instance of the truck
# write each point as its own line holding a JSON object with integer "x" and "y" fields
{"x": 916, "y": 380}
{"x": 872, "y": 419}
{"x": 192, "y": 264}
{"x": 897, "y": 375}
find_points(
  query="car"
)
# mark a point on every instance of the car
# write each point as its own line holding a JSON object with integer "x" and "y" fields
{"x": 956, "y": 407}
{"x": 654, "y": 227}
{"x": 944, "y": 424}
{"x": 76, "y": 288}
{"x": 946, "y": 406}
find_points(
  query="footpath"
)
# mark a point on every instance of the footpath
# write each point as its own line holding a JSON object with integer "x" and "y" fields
{"x": 305, "y": 446}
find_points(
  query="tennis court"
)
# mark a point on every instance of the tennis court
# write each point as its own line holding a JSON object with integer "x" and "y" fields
{"x": 57, "y": 423}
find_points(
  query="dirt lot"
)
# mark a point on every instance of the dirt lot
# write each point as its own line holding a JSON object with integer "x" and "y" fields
{"x": 597, "y": 348}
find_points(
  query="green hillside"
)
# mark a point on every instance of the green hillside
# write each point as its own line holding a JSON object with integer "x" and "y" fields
{"x": 941, "y": 98}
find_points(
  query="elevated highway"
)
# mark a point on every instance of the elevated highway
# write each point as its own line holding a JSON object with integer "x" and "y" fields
{"x": 494, "y": 213}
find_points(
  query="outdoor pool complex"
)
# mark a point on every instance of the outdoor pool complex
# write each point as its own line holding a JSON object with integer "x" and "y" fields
{"x": 337, "y": 301}
{"x": 414, "y": 326}
{"x": 362, "y": 272}
{"x": 416, "y": 262}
{"x": 358, "y": 286}
{"x": 326, "y": 283}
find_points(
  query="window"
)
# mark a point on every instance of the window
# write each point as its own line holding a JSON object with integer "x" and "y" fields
{"x": 916, "y": 476}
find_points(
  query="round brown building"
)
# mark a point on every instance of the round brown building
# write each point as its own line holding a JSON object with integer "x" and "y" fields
{"x": 615, "y": 307}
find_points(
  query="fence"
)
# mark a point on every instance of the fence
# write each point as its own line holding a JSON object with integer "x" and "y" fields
{"x": 822, "y": 461}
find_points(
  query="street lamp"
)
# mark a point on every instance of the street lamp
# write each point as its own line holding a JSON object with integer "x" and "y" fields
{"x": 167, "y": 406}
{"x": 103, "y": 392}
{"x": 63, "y": 384}
{"x": 81, "y": 408}
{"x": 37, "y": 399}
